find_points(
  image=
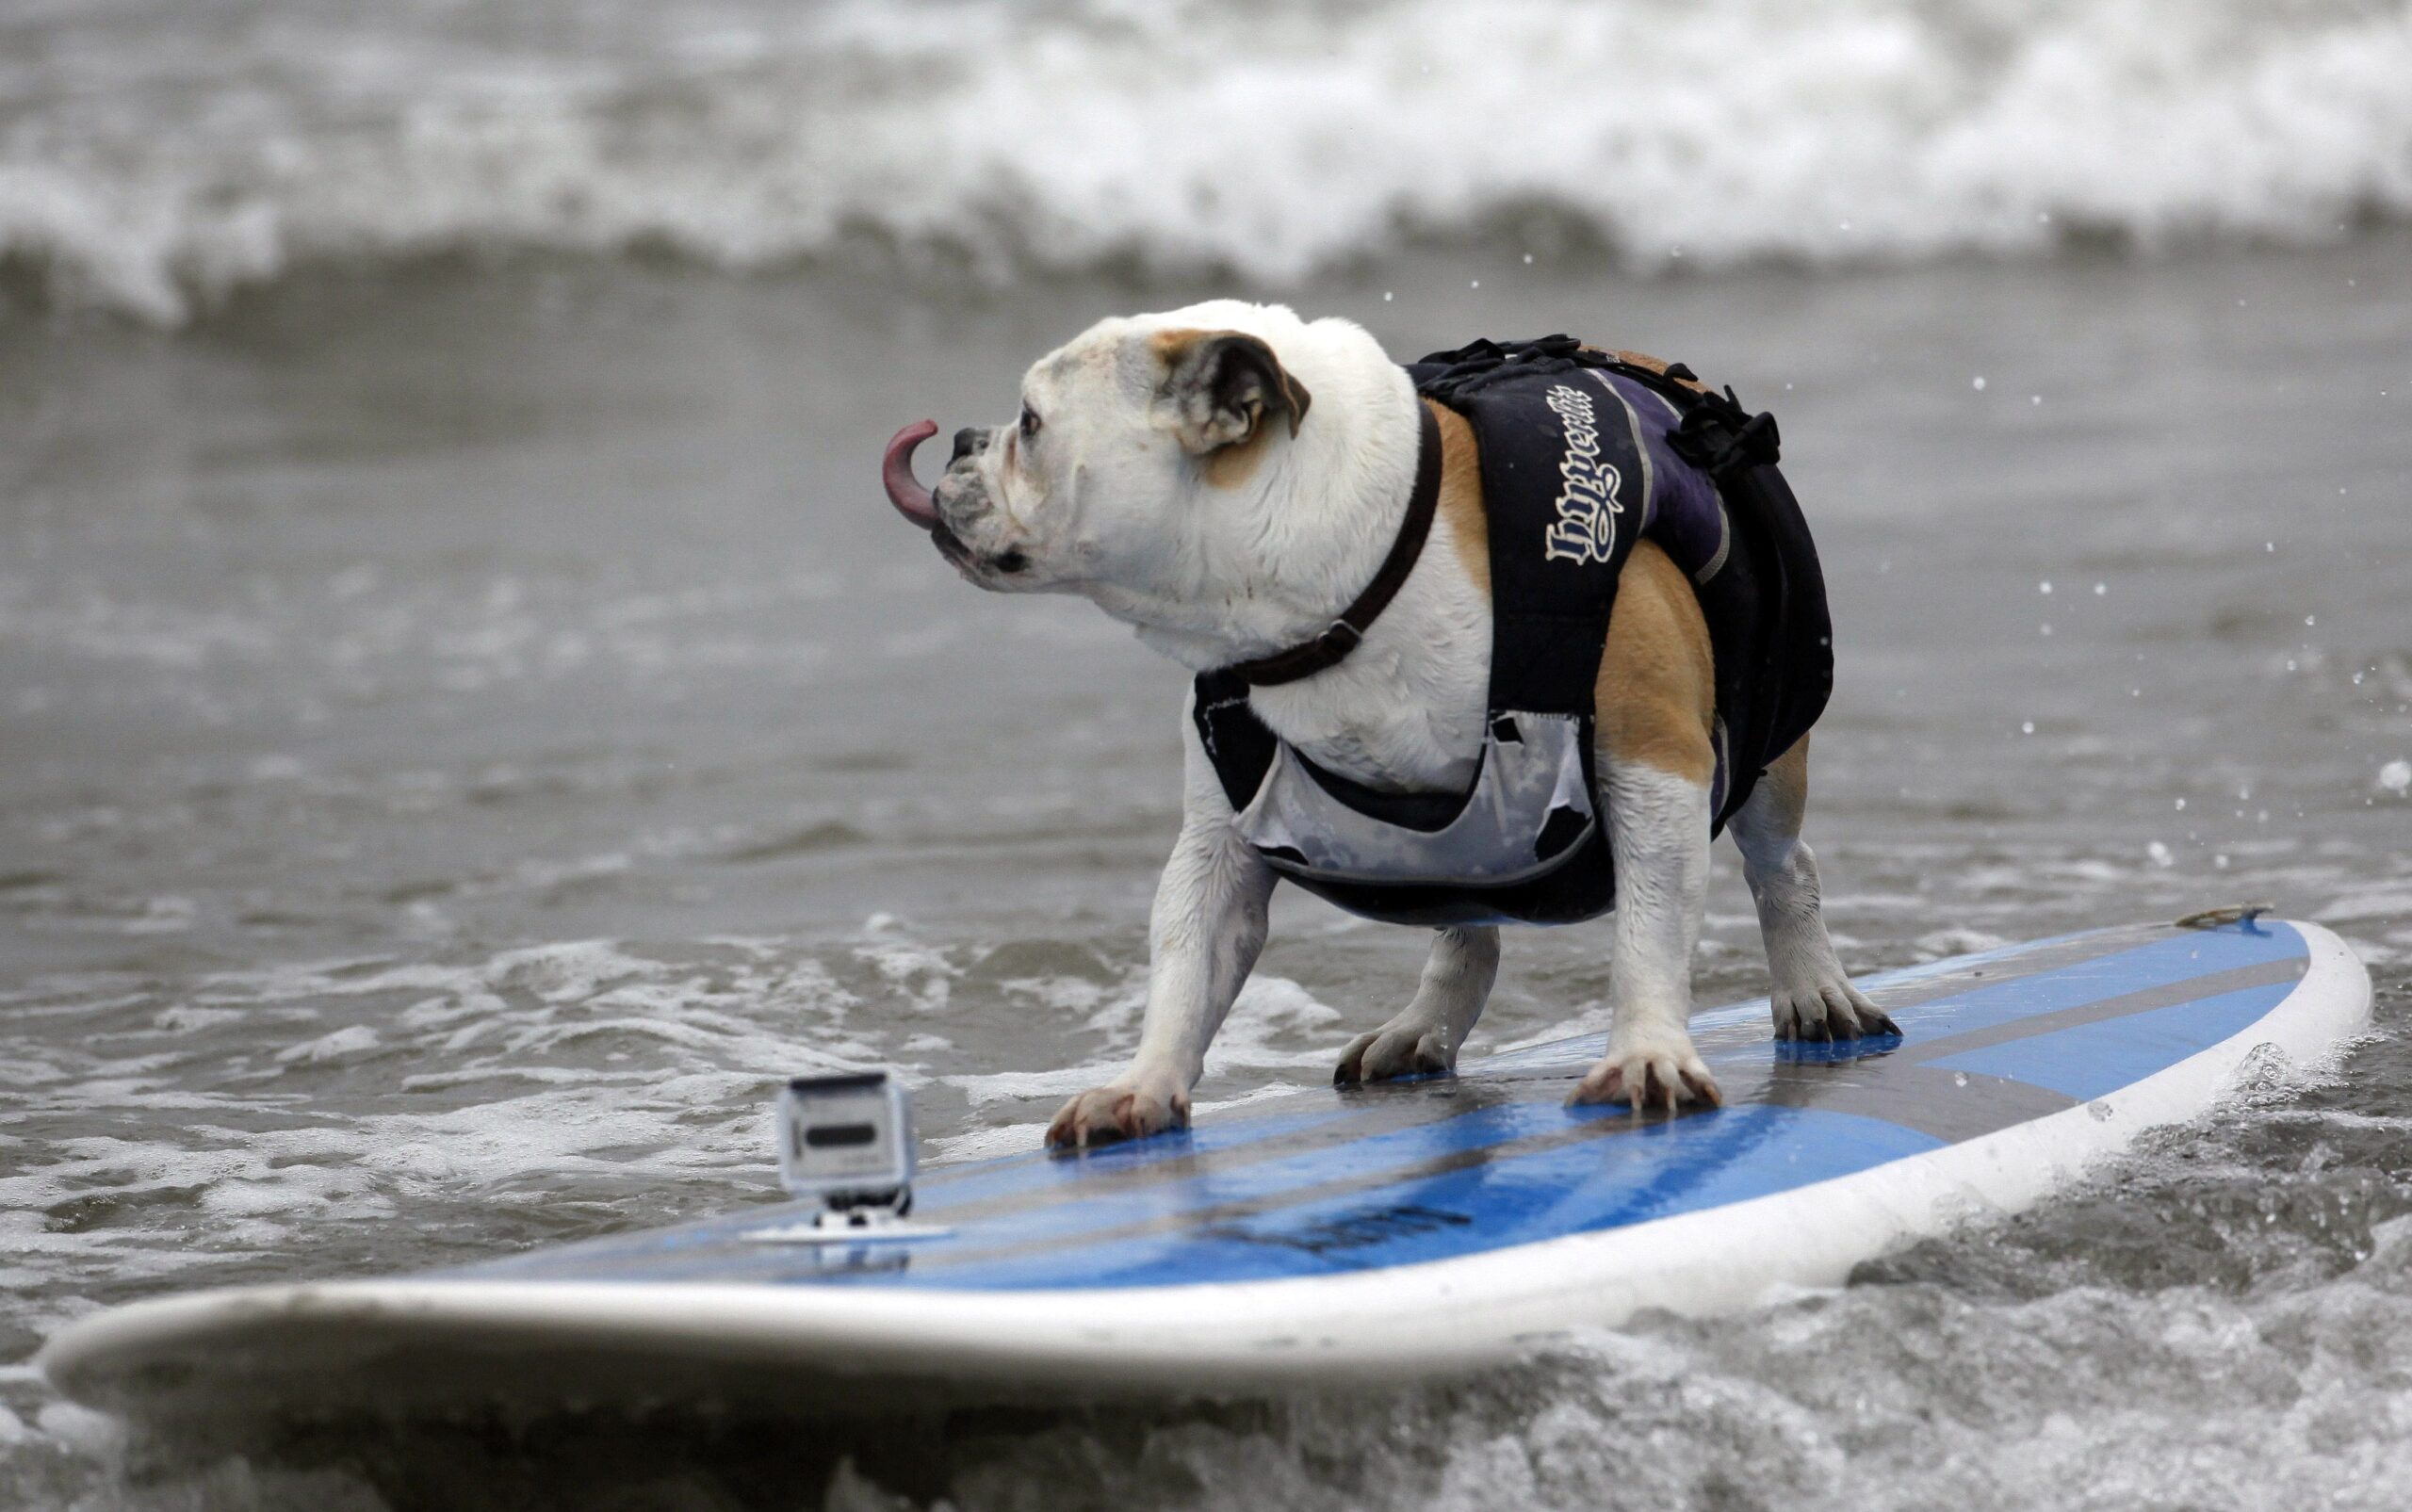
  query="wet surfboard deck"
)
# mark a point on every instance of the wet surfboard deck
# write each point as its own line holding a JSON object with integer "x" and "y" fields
{"x": 1316, "y": 1237}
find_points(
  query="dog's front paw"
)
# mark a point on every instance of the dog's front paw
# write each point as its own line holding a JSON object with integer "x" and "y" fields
{"x": 1655, "y": 1069}
{"x": 1823, "y": 1005}
{"x": 1105, "y": 1115}
{"x": 1395, "y": 1051}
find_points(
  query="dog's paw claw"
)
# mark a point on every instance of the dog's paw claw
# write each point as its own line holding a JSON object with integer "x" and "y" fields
{"x": 1665, "y": 1077}
{"x": 1107, "y": 1115}
{"x": 1826, "y": 1011}
{"x": 1387, "y": 1053}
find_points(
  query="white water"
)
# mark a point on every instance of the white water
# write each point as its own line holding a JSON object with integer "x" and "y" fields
{"x": 155, "y": 153}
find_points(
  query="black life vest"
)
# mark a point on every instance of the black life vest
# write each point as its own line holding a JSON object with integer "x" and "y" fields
{"x": 1583, "y": 453}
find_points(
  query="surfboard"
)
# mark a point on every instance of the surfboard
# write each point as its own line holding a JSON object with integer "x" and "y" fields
{"x": 1315, "y": 1238}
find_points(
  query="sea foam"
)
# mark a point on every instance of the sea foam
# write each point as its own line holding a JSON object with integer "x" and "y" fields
{"x": 150, "y": 169}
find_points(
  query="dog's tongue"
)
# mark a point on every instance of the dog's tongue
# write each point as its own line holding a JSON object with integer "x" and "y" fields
{"x": 896, "y": 471}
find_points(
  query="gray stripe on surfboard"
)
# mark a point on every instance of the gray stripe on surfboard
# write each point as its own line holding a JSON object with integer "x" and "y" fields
{"x": 1224, "y": 1213}
{"x": 1410, "y": 1105}
{"x": 1894, "y": 1086}
{"x": 2034, "y": 961}
{"x": 1423, "y": 1102}
{"x": 2144, "y": 1000}
{"x": 1908, "y": 1096}
{"x": 1981, "y": 1105}
{"x": 1948, "y": 1106}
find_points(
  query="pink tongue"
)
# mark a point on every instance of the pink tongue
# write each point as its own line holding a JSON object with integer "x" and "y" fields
{"x": 896, "y": 471}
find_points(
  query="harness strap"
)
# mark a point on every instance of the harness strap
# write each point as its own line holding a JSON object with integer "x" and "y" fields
{"x": 1341, "y": 636}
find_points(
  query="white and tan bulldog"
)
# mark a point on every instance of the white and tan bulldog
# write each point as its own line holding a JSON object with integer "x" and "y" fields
{"x": 1224, "y": 479}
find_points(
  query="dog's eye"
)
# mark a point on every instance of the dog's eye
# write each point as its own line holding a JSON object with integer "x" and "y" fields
{"x": 1029, "y": 422}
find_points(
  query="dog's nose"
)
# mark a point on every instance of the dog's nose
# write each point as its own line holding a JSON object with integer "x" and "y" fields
{"x": 969, "y": 442}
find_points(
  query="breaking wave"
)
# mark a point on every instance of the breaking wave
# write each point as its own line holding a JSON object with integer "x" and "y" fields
{"x": 155, "y": 156}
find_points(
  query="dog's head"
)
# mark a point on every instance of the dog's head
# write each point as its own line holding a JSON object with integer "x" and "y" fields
{"x": 1154, "y": 464}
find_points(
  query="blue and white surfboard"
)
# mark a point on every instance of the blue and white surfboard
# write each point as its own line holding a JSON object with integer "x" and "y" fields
{"x": 1320, "y": 1236}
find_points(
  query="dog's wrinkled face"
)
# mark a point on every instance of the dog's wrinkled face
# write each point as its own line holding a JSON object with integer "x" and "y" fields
{"x": 1131, "y": 471}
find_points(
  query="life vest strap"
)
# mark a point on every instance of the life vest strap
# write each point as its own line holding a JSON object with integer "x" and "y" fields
{"x": 1341, "y": 636}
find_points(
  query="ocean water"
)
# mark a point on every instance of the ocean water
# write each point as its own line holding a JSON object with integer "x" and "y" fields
{"x": 469, "y": 725}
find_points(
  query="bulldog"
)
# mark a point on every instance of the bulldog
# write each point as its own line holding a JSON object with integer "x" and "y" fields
{"x": 1239, "y": 485}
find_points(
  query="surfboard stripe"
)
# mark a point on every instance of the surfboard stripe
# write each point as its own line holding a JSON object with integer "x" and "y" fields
{"x": 1012, "y": 1179}
{"x": 1343, "y": 1127}
{"x": 1894, "y": 991}
{"x": 2286, "y": 971}
{"x": 1476, "y": 1200}
{"x": 1947, "y": 1106}
{"x": 2094, "y": 1059}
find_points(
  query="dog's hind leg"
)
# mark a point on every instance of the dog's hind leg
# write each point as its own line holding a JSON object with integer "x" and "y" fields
{"x": 1811, "y": 997}
{"x": 1424, "y": 1036}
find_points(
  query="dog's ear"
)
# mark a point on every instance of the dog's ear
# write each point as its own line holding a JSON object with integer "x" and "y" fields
{"x": 1221, "y": 386}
